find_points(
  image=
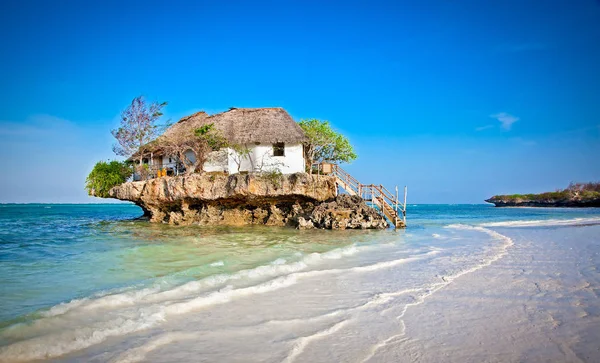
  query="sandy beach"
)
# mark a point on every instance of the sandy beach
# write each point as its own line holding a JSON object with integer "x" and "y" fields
{"x": 538, "y": 303}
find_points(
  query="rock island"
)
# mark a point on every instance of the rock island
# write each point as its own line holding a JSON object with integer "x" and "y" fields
{"x": 247, "y": 167}
{"x": 576, "y": 195}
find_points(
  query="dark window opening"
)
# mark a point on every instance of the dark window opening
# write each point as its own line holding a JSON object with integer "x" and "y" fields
{"x": 145, "y": 160}
{"x": 279, "y": 149}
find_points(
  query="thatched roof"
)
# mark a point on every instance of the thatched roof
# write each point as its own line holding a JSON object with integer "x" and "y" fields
{"x": 244, "y": 125}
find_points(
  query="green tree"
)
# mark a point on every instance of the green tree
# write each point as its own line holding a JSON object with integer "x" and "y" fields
{"x": 106, "y": 175}
{"x": 212, "y": 136}
{"x": 200, "y": 142}
{"x": 138, "y": 127}
{"x": 325, "y": 144}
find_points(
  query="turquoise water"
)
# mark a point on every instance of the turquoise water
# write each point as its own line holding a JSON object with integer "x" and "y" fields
{"x": 52, "y": 253}
{"x": 55, "y": 255}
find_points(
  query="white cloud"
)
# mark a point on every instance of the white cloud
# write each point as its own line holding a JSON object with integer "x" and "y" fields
{"x": 506, "y": 119}
{"x": 481, "y": 128}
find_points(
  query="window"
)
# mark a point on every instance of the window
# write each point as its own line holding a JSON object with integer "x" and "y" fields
{"x": 145, "y": 160}
{"x": 279, "y": 149}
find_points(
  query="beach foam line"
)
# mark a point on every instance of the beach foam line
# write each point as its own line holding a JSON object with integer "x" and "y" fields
{"x": 155, "y": 294}
{"x": 69, "y": 329}
{"x": 72, "y": 336}
{"x": 138, "y": 354}
{"x": 103, "y": 301}
{"x": 275, "y": 268}
{"x": 302, "y": 342}
{"x": 545, "y": 223}
{"x": 53, "y": 334}
{"x": 227, "y": 294}
{"x": 365, "y": 268}
{"x": 375, "y": 300}
{"x": 433, "y": 288}
{"x": 76, "y": 338}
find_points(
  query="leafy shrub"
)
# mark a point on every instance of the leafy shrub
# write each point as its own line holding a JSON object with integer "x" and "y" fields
{"x": 106, "y": 175}
{"x": 212, "y": 136}
{"x": 325, "y": 144}
{"x": 273, "y": 176}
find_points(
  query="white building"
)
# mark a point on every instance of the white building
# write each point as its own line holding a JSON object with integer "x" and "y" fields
{"x": 268, "y": 137}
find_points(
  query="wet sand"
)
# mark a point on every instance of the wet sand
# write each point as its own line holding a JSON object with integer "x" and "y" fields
{"x": 539, "y": 303}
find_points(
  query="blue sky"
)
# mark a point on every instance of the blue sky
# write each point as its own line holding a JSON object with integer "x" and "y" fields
{"x": 459, "y": 100}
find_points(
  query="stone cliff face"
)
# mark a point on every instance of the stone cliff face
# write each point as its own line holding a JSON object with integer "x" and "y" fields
{"x": 345, "y": 212}
{"x": 300, "y": 200}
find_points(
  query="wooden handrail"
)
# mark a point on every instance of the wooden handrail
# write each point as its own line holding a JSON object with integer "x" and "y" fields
{"x": 388, "y": 202}
{"x": 387, "y": 195}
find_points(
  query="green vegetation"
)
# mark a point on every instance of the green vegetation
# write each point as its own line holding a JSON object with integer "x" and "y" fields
{"x": 212, "y": 136}
{"x": 324, "y": 144}
{"x": 273, "y": 176}
{"x": 575, "y": 191}
{"x": 106, "y": 175}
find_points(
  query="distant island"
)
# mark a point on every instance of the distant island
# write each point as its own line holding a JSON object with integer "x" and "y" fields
{"x": 575, "y": 196}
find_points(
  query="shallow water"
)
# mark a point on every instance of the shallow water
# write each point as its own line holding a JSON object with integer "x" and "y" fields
{"x": 88, "y": 282}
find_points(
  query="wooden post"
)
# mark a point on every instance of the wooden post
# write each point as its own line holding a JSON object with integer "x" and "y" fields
{"x": 404, "y": 212}
{"x": 151, "y": 165}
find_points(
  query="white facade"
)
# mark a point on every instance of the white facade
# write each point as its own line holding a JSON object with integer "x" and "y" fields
{"x": 257, "y": 158}
{"x": 260, "y": 158}
{"x": 216, "y": 161}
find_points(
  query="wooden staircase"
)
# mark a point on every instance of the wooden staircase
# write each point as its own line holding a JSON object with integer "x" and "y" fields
{"x": 377, "y": 195}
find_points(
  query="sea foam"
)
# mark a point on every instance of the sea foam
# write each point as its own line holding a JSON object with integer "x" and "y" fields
{"x": 61, "y": 329}
{"x": 545, "y": 223}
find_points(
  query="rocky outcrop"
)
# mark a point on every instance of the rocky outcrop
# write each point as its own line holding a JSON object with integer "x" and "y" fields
{"x": 502, "y": 201}
{"x": 345, "y": 212}
{"x": 576, "y": 195}
{"x": 300, "y": 200}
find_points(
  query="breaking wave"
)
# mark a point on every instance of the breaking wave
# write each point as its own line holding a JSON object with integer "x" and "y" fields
{"x": 82, "y": 323}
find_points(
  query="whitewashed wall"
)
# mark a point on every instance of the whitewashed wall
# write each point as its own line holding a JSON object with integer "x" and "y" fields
{"x": 261, "y": 158}
{"x": 165, "y": 161}
{"x": 216, "y": 161}
{"x": 246, "y": 162}
{"x": 295, "y": 158}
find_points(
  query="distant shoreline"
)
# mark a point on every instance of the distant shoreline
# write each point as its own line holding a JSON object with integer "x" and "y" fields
{"x": 501, "y": 202}
{"x": 577, "y": 195}
{"x": 539, "y": 207}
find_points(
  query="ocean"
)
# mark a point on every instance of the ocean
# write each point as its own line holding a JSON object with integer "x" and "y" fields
{"x": 462, "y": 283}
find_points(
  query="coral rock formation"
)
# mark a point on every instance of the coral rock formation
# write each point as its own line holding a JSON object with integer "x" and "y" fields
{"x": 300, "y": 200}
